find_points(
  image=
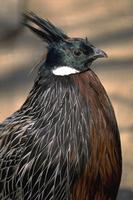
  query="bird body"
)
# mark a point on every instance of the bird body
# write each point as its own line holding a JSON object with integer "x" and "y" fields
{"x": 63, "y": 143}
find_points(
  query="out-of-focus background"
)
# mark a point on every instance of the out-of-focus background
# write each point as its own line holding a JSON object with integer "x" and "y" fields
{"x": 107, "y": 24}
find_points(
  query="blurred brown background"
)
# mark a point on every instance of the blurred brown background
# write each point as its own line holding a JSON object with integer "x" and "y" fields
{"x": 107, "y": 24}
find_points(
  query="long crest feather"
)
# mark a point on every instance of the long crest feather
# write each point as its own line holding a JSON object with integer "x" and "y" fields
{"x": 44, "y": 28}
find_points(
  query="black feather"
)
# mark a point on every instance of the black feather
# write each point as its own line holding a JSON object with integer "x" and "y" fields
{"x": 44, "y": 28}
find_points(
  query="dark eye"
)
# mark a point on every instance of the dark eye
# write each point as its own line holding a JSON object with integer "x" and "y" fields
{"x": 77, "y": 52}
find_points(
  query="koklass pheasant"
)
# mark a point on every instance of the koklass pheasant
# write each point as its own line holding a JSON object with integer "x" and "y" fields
{"x": 63, "y": 143}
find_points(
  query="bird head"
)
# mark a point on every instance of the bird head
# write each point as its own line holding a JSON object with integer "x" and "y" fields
{"x": 65, "y": 55}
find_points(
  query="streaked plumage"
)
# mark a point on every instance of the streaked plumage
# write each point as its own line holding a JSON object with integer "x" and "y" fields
{"x": 63, "y": 143}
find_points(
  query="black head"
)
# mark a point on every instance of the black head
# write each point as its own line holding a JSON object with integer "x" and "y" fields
{"x": 65, "y": 55}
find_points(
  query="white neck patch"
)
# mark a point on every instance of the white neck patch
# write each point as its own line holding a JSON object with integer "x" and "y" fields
{"x": 64, "y": 70}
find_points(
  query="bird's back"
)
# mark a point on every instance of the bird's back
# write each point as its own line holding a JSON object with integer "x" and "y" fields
{"x": 103, "y": 171}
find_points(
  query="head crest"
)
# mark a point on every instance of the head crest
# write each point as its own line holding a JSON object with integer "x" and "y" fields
{"x": 44, "y": 28}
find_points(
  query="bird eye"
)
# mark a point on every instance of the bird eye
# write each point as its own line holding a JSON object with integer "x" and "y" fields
{"x": 77, "y": 52}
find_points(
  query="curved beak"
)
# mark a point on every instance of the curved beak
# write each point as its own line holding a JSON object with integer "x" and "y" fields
{"x": 98, "y": 53}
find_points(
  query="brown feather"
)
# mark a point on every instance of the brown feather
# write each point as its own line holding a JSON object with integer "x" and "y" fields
{"x": 101, "y": 176}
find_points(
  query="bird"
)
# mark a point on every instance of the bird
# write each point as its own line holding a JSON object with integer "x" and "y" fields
{"x": 64, "y": 142}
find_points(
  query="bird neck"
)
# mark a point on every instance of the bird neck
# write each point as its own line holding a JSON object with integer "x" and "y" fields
{"x": 47, "y": 90}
